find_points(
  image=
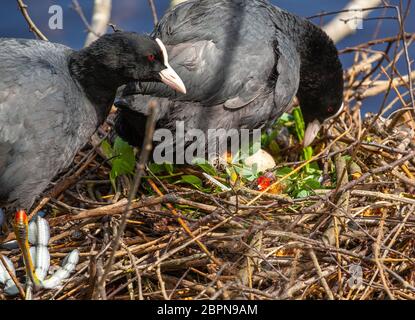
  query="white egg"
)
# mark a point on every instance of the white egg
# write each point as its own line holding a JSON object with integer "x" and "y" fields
{"x": 262, "y": 159}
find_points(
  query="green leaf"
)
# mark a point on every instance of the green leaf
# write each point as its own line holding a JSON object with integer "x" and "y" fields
{"x": 314, "y": 168}
{"x": 308, "y": 153}
{"x": 123, "y": 149}
{"x": 120, "y": 167}
{"x": 113, "y": 179}
{"x": 123, "y": 159}
{"x": 283, "y": 171}
{"x": 274, "y": 148}
{"x": 299, "y": 123}
{"x": 247, "y": 172}
{"x": 303, "y": 194}
{"x": 312, "y": 183}
{"x": 156, "y": 168}
{"x": 265, "y": 140}
{"x": 107, "y": 149}
{"x": 192, "y": 180}
{"x": 285, "y": 118}
{"x": 347, "y": 158}
{"x": 207, "y": 168}
{"x": 126, "y": 157}
{"x": 169, "y": 168}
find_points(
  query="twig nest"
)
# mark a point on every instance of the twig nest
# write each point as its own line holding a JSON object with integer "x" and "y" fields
{"x": 262, "y": 159}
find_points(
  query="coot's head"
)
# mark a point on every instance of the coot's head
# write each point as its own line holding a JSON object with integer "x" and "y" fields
{"x": 133, "y": 57}
{"x": 321, "y": 82}
{"x": 319, "y": 111}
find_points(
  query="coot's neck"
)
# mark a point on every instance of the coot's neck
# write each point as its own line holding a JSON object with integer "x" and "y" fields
{"x": 99, "y": 83}
{"x": 320, "y": 63}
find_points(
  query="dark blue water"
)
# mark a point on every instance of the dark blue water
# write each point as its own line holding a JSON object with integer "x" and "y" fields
{"x": 135, "y": 15}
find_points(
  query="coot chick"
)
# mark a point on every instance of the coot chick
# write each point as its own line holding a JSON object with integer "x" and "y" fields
{"x": 243, "y": 62}
{"x": 53, "y": 98}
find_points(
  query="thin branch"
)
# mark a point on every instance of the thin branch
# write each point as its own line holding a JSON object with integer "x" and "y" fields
{"x": 32, "y": 26}
{"x": 320, "y": 274}
{"x": 376, "y": 250}
{"x": 145, "y": 153}
{"x": 341, "y": 26}
{"x": 153, "y": 11}
{"x": 100, "y": 20}
{"x": 405, "y": 46}
{"x": 78, "y": 9}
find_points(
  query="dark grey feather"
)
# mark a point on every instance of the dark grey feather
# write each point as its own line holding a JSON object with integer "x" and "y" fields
{"x": 52, "y": 99}
{"x": 42, "y": 120}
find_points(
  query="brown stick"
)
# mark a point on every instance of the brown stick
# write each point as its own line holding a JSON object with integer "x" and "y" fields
{"x": 153, "y": 11}
{"x": 32, "y": 26}
{"x": 184, "y": 225}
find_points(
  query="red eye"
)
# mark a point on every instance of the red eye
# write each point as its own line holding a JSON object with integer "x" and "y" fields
{"x": 330, "y": 109}
{"x": 151, "y": 58}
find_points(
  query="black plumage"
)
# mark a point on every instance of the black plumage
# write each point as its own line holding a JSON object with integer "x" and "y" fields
{"x": 243, "y": 62}
{"x": 52, "y": 99}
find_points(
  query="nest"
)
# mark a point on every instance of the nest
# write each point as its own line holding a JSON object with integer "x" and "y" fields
{"x": 351, "y": 239}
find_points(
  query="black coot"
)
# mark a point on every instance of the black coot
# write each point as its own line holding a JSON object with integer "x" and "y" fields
{"x": 243, "y": 62}
{"x": 52, "y": 99}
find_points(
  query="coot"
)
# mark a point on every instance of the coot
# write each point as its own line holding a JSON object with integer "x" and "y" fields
{"x": 52, "y": 99}
{"x": 243, "y": 62}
